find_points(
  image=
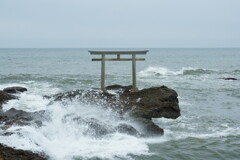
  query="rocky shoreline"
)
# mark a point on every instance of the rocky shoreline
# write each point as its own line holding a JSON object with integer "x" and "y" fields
{"x": 141, "y": 106}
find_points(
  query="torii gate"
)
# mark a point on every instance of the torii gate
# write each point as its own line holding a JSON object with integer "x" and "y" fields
{"x": 118, "y": 53}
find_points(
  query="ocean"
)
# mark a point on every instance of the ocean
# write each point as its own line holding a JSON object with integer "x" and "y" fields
{"x": 208, "y": 127}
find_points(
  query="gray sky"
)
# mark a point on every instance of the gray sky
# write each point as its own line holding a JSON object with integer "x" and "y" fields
{"x": 119, "y": 23}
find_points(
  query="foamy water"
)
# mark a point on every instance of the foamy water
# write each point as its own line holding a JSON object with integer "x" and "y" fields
{"x": 207, "y": 129}
{"x": 161, "y": 71}
{"x": 64, "y": 138}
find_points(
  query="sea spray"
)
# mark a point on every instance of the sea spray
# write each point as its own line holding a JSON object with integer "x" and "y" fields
{"x": 162, "y": 71}
{"x": 68, "y": 133}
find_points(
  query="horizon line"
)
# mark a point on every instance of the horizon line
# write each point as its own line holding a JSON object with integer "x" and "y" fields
{"x": 120, "y": 47}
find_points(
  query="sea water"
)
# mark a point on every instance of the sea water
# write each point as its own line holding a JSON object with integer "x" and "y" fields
{"x": 208, "y": 127}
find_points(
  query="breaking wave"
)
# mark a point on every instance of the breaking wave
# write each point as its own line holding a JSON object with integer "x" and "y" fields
{"x": 161, "y": 71}
{"x": 72, "y": 131}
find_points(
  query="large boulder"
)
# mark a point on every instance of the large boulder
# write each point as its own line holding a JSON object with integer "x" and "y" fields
{"x": 14, "y": 89}
{"x": 19, "y": 117}
{"x": 229, "y": 78}
{"x": 128, "y": 129}
{"x": 143, "y": 105}
{"x": 155, "y": 102}
{"x": 149, "y": 128}
{"x": 4, "y": 97}
{"x": 95, "y": 128}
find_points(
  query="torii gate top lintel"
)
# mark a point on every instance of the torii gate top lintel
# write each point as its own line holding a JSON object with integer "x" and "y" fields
{"x": 108, "y": 52}
{"x": 118, "y": 53}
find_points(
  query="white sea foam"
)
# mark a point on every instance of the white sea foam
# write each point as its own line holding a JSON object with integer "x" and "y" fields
{"x": 62, "y": 138}
{"x": 31, "y": 100}
{"x": 37, "y": 88}
{"x": 156, "y": 71}
{"x": 161, "y": 71}
{"x": 27, "y": 102}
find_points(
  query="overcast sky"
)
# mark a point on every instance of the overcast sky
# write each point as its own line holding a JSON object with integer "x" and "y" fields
{"x": 119, "y": 23}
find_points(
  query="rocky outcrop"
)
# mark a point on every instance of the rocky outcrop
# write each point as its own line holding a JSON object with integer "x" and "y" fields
{"x": 17, "y": 117}
{"x": 142, "y": 105}
{"x": 154, "y": 102}
{"x": 97, "y": 129}
{"x": 148, "y": 103}
{"x": 21, "y": 118}
{"x": 4, "y": 97}
{"x": 7, "y": 153}
{"x": 14, "y": 89}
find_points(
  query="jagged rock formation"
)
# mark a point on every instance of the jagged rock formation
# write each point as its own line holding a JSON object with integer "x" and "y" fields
{"x": 143, "y": 105}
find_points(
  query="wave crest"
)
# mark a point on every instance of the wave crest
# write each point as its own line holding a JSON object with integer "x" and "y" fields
{"x": 161, "y": 71}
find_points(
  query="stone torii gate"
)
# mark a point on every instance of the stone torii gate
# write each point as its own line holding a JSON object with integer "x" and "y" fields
{"x": 118, "y": 58}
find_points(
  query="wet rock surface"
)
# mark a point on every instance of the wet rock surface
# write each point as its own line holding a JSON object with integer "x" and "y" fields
{"x": 128, "y": 129}
{"x": 148, "y": 103}
{"x": 4, "y": 97}
{"x": 21, "y": 118}
{"x": 140, "y": 106}
{"x": 8, "y": 153}
{"x": 95, "y": 128}
{"x": 14, "y": 89}
{"x": 229, "y": 78}
{"x": 143, "y": 105}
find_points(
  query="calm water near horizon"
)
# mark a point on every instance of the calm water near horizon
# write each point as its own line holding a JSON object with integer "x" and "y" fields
{"x": 210, "y": 107}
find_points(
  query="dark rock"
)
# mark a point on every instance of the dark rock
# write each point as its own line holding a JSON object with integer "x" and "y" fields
{"x": 142, "y": 106}
{"x": 4, "y": 97}
{"x": 94, "y": 97}
{"x": 149, "y": 128}
{"x": 19, "y": 117}
{"x": 125, "y": 128}
{"x": 229, "y": 78}
{"x": 155, "y": 102}
{"x": 119, "y": 87}
{"x": 7, "y": 153}
{"x": 95, "y": 128}
{"x": 15, "y": 89}
{"x": 14, "y": 116}
{"x": 7, "y": 133}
